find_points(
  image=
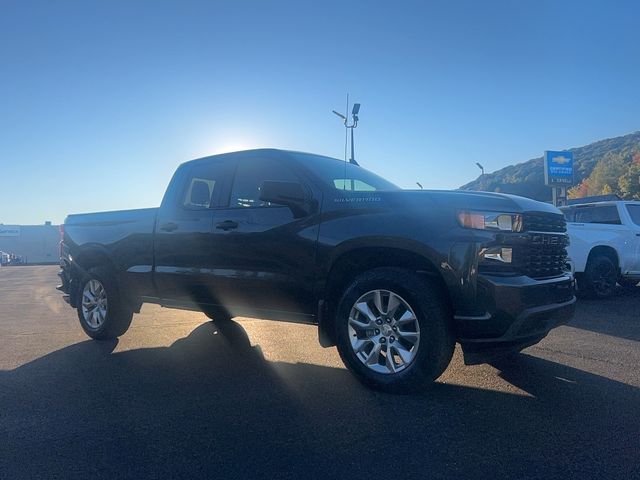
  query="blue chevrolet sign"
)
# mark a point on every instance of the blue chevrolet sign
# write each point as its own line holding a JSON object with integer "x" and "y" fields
{"x": 558, "y": 168}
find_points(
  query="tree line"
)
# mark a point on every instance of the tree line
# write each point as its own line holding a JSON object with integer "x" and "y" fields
{"x": 616, "y": 173}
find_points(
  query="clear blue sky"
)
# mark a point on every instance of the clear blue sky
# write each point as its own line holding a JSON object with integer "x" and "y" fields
{"x": 99, "y": 101}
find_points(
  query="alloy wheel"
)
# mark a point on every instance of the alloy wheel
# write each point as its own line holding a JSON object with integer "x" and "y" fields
{"x": 94, "y": 303}
{"x": 384, "y": 331}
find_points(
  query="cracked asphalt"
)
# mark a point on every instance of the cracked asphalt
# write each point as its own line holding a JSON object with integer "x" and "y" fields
{"x": 181, "y": 397}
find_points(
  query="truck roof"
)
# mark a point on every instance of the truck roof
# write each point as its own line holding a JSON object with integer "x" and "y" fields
{"x": 608, "y": 202}
{"x": 265, "y": 152}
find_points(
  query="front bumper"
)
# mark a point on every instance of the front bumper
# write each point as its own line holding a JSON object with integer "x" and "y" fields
{"x": 518, "y": 312}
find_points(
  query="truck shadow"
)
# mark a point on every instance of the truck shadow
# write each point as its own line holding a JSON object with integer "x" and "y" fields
{"x": 615, "y": 316}
{"x": 211, "y": 405}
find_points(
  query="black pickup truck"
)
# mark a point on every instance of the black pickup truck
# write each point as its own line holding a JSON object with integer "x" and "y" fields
{"x": 392, "y": 277}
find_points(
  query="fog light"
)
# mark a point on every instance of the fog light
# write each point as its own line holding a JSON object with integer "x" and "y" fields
{"x": 504, "y": 255}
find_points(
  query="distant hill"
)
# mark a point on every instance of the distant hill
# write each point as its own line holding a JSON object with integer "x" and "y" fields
{"x": 527, "y": 179}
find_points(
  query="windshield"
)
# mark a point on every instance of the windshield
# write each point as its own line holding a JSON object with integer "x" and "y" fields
{"x": 345, "y": 176}
{"x": 634, "y": 213}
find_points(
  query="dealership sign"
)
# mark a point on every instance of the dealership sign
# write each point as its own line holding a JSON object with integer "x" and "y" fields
{"x": 558, "y": 168}
{"x": 9, "y": 230}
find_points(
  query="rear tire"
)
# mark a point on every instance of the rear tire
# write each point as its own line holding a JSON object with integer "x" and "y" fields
{"x": 600, "y": 277}
{"x": 102, "y": 311}
{"x": 407, "y": 308}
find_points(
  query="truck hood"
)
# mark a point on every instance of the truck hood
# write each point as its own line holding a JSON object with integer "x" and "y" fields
{"x": 466, "y": 199}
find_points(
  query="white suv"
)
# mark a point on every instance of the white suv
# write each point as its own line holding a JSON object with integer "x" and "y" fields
{"x": 605, "y": 245}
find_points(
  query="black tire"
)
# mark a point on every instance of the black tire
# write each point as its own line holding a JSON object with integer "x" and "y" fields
{"x": 628, "y": 284}
{"x": 436, "y": 343}
{"x": 119, "y": 312}
{"x": 216, "y": 313}
{"x": 600, "y": 277}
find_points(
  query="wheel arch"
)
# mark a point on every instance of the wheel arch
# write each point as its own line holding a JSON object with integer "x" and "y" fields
{"x": 351, "y": 263}
{"x": 86, "y": 258}
{"x": 607, "y": 251}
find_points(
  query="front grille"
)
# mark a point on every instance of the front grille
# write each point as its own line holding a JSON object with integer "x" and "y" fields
{"x": 539, "y": 251}
{"x": 544, "y": 222}
{"x": 545, "y": 254}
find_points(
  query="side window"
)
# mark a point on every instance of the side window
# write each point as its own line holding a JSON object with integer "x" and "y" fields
{"x": 353, "y": 185}
{"x": 607, "y": 214}
{"x": 202, "y": 185}
{"x": 634, "y": 211}
{"x": 604, "y": 214}
{"x": 249, "y": 177}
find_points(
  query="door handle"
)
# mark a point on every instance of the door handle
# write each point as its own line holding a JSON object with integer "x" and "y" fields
{"x": 637, "y": 234}
{"x": 227, "y": 225}
{"x": 169, "y": 227}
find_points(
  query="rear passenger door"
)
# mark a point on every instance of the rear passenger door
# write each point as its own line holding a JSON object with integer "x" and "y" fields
{"x": 264, "y": 256}
{"x": 184, "y": 248}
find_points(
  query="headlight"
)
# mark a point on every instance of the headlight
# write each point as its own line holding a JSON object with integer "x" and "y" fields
{"x": 495, "y": 221}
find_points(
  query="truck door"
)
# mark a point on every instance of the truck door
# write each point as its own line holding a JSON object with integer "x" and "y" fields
{"x": 184, "y": 250}
{"x": 264, "y": 256}
{"x": 633, "y": 209}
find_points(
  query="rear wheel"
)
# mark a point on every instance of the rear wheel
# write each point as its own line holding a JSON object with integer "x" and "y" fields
{"x": 393, "y": 330}
{"x": 102, "y": 312}
{"x": 600, "y": 277}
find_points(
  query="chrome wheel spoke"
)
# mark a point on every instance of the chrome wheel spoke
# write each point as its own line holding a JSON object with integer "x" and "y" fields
{"x": 406, "y": 317}
{"x": 390, "y": 363}
{"x": 393, "y": 304}
{"x": 377, "y": 301}
{"x": 373, "y": 357}
{"x": 403, "y": 353}
{"x": 359, "y": 322}
{"x": 364, "y": 309}
{"x": 360, "y": 344}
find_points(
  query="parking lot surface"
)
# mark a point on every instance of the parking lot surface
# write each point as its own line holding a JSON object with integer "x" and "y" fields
{"x": 181, "y": 397}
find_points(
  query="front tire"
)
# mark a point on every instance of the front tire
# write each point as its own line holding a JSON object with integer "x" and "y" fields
{"x": 600, "y": 277}
{"x": 393, "y": 330}
{"x": 102, "y": 311}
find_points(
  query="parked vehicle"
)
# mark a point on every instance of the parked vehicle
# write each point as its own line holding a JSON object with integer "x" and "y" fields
{"x": 392, "y": 277}
{"x": 605, "y": 245}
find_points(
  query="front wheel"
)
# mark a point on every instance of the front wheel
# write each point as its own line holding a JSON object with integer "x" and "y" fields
{"x": 600, "y": 277}
{"x": 102, "y": 312}
{"x": 393, "y": 330}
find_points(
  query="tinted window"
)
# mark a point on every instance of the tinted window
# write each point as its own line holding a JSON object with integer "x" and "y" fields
{"x": 202, "y": 185}
{"x": 605, "y": 214}
{"x": 353, "y": 185}
{"x": 249, "y": 177}
{"x": 634, "y": 211}
{"x": 569, "y": 214}
{"x": 345, "y": 176}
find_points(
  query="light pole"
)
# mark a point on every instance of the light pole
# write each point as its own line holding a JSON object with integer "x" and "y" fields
{"x": 481, "y": 175}
{"x": 354, "y": 124}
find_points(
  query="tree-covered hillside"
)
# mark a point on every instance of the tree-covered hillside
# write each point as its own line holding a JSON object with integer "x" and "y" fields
{"x": 607, "y": 166}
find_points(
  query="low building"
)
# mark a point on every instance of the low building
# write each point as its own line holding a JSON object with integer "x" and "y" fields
{"x": 35, "y": 244}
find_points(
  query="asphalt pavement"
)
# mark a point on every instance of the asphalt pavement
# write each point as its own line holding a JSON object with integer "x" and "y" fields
{"x": 181, "y": 397}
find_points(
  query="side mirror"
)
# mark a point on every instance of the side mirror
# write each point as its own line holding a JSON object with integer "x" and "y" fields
{"x": 289, "y": 194}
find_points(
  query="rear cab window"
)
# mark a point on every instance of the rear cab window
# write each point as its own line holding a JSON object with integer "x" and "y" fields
{"x": 203, "y": 184}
